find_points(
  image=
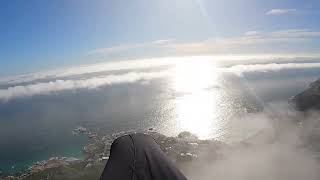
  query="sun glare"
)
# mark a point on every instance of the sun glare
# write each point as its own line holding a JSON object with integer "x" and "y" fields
{"x": 191, "y": 77}
{"x": 195, "y": 109}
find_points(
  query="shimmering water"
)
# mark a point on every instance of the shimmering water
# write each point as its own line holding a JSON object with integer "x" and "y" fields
{"x": 195, "y": 96}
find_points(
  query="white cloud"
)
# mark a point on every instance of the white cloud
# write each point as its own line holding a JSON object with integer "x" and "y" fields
{"x": 252, "y": 33}
{"x": 92, "y": 68}
{"x": 163, "y": 41}
{"x": 280, "y": 11}
{"x": 239, "y": 69}
{"x": 62, "y": 85}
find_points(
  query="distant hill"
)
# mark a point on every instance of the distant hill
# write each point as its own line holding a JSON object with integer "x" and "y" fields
{"x": 308, "y": 99}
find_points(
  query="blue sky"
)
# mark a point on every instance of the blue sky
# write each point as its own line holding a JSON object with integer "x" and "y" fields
{"x": 43, "y": 34}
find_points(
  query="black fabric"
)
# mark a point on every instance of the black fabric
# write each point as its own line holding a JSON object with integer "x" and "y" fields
{"x": 139, "y": 157}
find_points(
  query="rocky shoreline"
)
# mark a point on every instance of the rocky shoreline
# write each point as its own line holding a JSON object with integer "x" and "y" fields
{"x": 183, "y": 148}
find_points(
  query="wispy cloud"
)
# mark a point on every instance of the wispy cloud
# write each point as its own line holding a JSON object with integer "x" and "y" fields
{"x": 280, "y": 11}
{"x": 126, "y": 47}
{"x": 252, "y": 33}
{"x": 236, "y": 44}
{"x": 116, "y": 49}
{"x": 296, "y": 33}
{"x": 250, "y": 38}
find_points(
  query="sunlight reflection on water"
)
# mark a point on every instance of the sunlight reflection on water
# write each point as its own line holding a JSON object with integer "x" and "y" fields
{"x": 205, "y": 100}
{"x": 196, "y": 109}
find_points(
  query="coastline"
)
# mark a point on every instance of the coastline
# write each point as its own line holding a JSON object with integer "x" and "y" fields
{"x": 183, "y": 148}
{"x": 69, "y": 155}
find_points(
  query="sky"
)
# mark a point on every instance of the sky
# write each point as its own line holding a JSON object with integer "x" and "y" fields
{"x": 43, "y": 34}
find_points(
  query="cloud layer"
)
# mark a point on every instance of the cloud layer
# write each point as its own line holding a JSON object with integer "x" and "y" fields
{"x": 89, "y": 69}
{"x": 62, "y": 85}
{"x": 138, "y": 64}
{"x": 31, "y": 86}
{"x": 239, "y": 69}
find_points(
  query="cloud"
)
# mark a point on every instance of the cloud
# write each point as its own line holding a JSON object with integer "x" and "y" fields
{"x": 62, "y": 85}
{"x": 250, "y": 42}
{"x": 255, "y": 39}
{"x": 252, "y": 33}
{"x": 296, "y": 34}
{"x": 280, "y": 11}
{"x": 146, "y": 63}
{"x": 240, "y": 69}
{"x": 126, "y": 47}
{"x": 92, "y": 68}
{"x": 281, "y": 151}
{"x": 116, "y": 49}
{"x": 30, "y": 84}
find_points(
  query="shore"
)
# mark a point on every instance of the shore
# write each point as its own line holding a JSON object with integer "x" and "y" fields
{"x": 183, "y": 148}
